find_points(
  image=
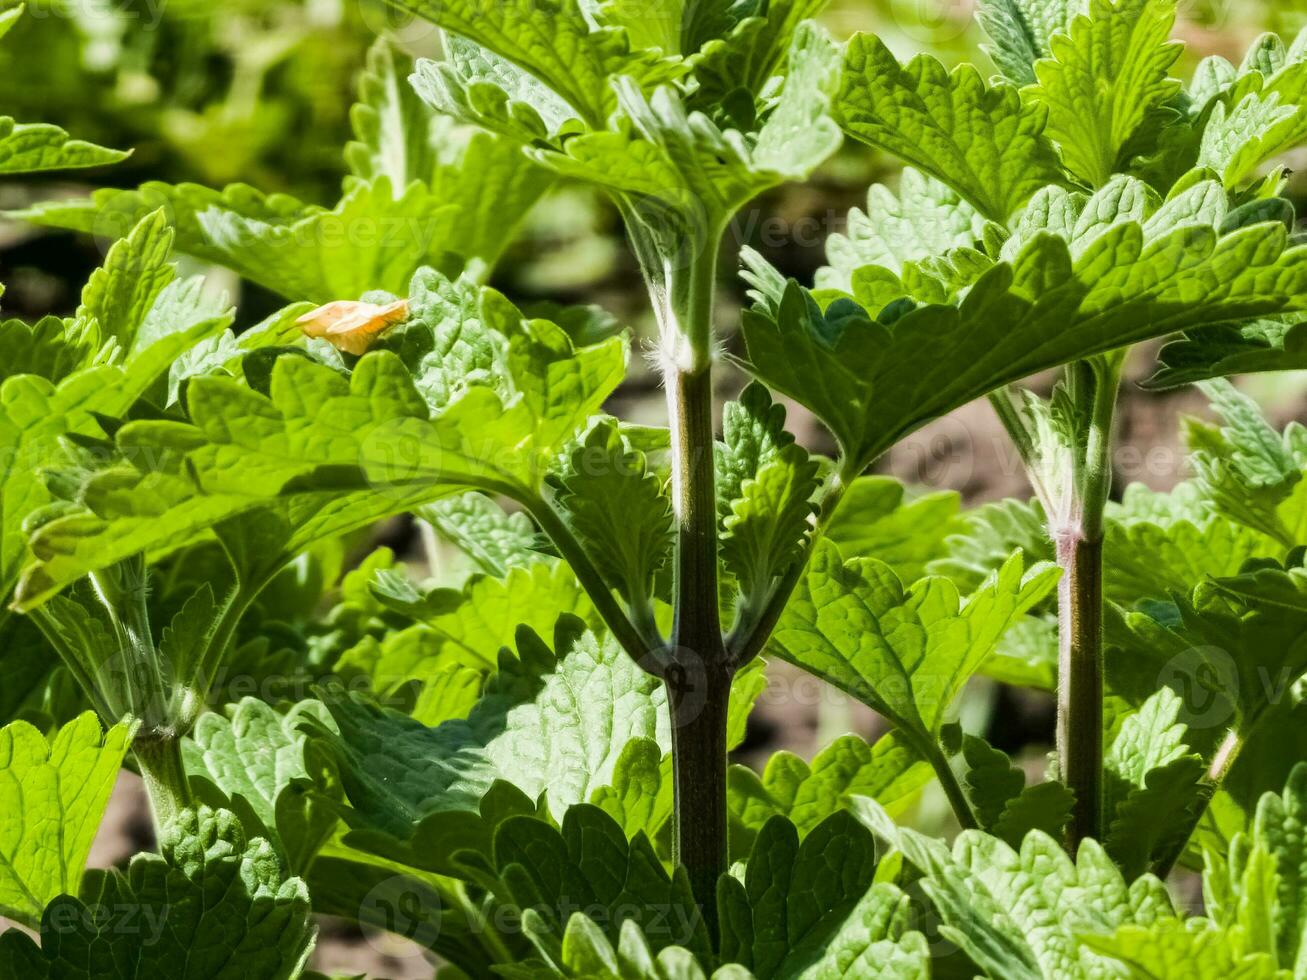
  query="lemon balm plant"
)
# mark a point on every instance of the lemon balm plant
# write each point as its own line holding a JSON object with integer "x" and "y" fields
{"x": 525, "y": 768}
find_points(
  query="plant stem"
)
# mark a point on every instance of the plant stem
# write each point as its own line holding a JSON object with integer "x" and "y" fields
{"x": 637, "y": 644}
{"x": 700, "y": 703}
{"x": 948, "y": 779}
{"x": 1080, "y": 681}
{"x": 1078, "y": 538}
{"x": 699, "y": 680}
{"x": 159, "y": 756}
{"x": 1227, "y": 754}
{"x": 698, "y": 618}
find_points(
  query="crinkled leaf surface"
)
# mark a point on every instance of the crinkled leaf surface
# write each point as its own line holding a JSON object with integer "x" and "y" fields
{"x": 1024, "y": 914}
{"x": 810, "y": 910}
{"x": 807, "y": 793}
{"x": 1124, "y": 268}
{"x": 980, "y": 141}
{"x": 1105, "y": 78}
{"x": 31, "y": 147}
{"x": 552, "y": 722}
{"x": 256, "y": 760}
{"x": 53, "y": 795}
{"x": 905, "y": 652}
{"x": 879, "y": 518}
{"x": 213, "y": 904}
{"x": 1020, "y": 32}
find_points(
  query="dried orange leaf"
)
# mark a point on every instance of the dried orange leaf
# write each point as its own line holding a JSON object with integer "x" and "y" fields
{"x": 349, "y": 325}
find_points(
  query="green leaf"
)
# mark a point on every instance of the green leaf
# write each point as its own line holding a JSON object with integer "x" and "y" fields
{"x": 9, "y": 18}
{"x": 1262, "y": 886}
{"x": 986, "y": 538}
{"x": 421, "y": 909}
{"x": 618, "y": 511}
{"x": 121, "y": 292}
{"x": 640, "y": 796}
{"x": 1262, "y": 457}
{"x": 52, "y": 348}
{"x": 255, "y": 762}
{"x": 32, "y": 147}
{"x": 1266, "y": 759}
{"x": 980, "y": 141}
{"x": 1239, "y": 118}
{"x": 1236, "y": 141}
{"x": 467, "y": 627}
{"x": 1113, "y": 285}
{"x": 375, "y": 237}
{"x": 1027, "y": 913}
{"x": 878, "y": 518}
{"x": 213, "y": 904}
{"x": 488, "y": 178}
{"x": 1231, "y": 651}
{"x": 744, "y": 57}
{"x": 1151, "y": 560}
{"x": 1003, "y": 804}
{"x": 1026, "y": 656}
{"x": 476, "y": 86}
{"x": 753, "y": 435}
{"x": 1279, "y": 828}
{"x": 990, "y": 780}
{"x": 801, "y": 908}
{"x": 587, "y": 863}
{"x": 1020, "y": 32}
{"x": 555, "y": 43}
{"x": 1149, "y": 739}
{"x": 807, "y": 793}
{"x": 393, "y": 129}
{"x": 337, "y": 452}
{"x": 1192, "y": 948}
{"x": 1264, "y": 344}
{"x": 495, "y": 541}
{"x": 924, "y": 220}
{"x": 768, "y": 524}
{"x": 1106, "y": 78}
{"x": 906, "y": 653}
{"x": 697, "y": 173}
{"x": 1156, "y": 816}
{"x": 873, "y": 941}
{"x": 587, "y": 954}
{"x": 55, "y": 795}
{"x": 36, "y": 416}
{"x": 550, "y": 721}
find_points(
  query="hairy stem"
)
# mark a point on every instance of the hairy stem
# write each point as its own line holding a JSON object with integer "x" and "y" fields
{"x": 1080, "y": 681}
{"x": 1227, "y": 753}
{"x": 699, "y": 680}
{"x": 1079, "y": 544}
{"x": 698, "y": 677}
{"x": 700, "y": 702}
{"x": 159, "y": 755}
{"x": 698, "y": 618}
